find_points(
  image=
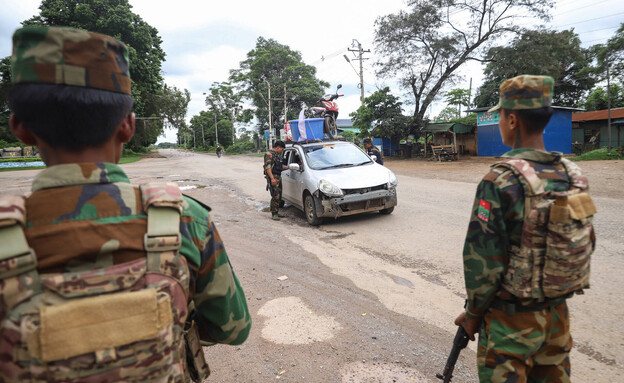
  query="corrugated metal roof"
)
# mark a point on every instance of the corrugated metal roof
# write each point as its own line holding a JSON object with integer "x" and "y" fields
{"x": 598, "y": 115}
{"x": 445, "y": 127}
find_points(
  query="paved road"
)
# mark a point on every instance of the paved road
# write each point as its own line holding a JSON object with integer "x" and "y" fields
{"x": 367, "y": 298}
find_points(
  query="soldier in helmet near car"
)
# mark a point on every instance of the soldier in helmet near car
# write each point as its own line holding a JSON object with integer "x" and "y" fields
{"x": 372, "y": 150}
{"x": 101, "y": 280}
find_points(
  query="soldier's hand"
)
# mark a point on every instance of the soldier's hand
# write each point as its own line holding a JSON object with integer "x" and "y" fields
{"x": 471, "y": 325}
{"x": 274, "y": 182}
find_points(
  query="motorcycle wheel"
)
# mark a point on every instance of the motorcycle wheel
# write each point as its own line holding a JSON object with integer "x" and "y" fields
{"x": 330, "y": 127}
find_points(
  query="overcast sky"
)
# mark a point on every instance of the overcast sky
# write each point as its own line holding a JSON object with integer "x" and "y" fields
{"x": 203, "y": 40}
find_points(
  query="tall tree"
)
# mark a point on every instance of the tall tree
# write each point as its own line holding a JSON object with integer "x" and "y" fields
{"x": 115, "y": 18}
{"x": 541, "y": 52}
{"x": 611, "y": 54}
{"x": 598, "y": 100}
{"x": 383, "y": 109}
{"x": 425, "y": 46}
{"x": 273, "y": 64}
{"x": 5, "y": 84}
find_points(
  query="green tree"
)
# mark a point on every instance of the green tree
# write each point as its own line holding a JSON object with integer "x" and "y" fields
{"x": 597, "y": 99}
{"x": 447, "y": 114}
{"x": 273, "y": 64}
{"x": 115, "y": 18}
{"x": 541, "y": 52}
{"x": 425, "y": 46}
{"x": 611, "y": 54}
{"x": 383, "y": 109}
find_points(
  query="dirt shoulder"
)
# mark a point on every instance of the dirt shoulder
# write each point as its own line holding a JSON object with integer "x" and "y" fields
{"x": 606, "y": 178}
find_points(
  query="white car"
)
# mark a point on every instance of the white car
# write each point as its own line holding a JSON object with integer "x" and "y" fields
{"x": 334, "y": 179}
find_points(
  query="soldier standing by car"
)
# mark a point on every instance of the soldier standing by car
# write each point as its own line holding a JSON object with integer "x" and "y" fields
{"x": 372, "y": 150}
{"x": 273, "y": 173}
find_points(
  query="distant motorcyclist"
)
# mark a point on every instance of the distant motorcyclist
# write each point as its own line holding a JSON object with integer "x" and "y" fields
{"x": 219, "y": 151}
{"x": 372, "y": 150}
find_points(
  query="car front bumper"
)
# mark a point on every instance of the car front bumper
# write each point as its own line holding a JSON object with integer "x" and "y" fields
{"x": 356, "y": 203}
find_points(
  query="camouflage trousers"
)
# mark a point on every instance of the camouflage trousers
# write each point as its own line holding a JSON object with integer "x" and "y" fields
{"x": 525, "y": 346}
{"x": 276, "y": 193}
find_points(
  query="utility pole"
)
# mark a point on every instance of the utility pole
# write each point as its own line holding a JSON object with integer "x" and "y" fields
{"x": 285, "y": 109}
{"x": 270, "y": 121}
{"x": 361, "y": 52}
{"x": 608, "y": 106}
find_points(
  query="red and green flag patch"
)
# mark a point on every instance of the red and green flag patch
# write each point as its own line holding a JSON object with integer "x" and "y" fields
{"x": 483, "y": 212}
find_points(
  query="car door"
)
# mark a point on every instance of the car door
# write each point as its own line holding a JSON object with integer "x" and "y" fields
{"x": 288, "y": 183}
{"x": 296, "y": 178}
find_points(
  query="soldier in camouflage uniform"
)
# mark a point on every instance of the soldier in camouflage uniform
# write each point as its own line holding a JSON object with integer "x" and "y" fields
{"x": 273, "y": 173}
{"x": 520, "y": 339}
{"x": 87, "y": 234}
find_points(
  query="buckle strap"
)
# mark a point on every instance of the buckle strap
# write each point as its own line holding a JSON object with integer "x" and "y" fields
{"x": 163, "y": 205}
{"x": 16, "y": 257}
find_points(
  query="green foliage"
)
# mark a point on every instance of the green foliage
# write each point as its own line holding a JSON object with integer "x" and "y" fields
{"x": 611, "y": 54}
{"x": 384, "y": 109}
{"x": 600, "y": 154}
{"x": 349, "y": 135}
{"x": 540, "y": 52}
{"x": 470, "y": 119}
{"x": 276, "y": 65}
{"x": 10, "y": 144}
{"x": 21, "y": 159}
{"x": 5, "y": 84}
{"x": 240, "y": 147}
{"x": 598, "y": 100}
{"x": 425, "y": 46}
{"x": 115, "y": 18}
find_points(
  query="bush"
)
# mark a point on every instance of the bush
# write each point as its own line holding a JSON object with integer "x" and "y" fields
{"x": 600, "y": 154}
{"x": 240, "y": 147}
{"x": 5, "y": 144}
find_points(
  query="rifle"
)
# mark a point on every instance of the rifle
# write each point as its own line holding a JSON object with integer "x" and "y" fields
{"x": 459, "y": 343}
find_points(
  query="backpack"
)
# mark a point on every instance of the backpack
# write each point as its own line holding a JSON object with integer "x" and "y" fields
{"x": 558, "y": 237}
{"x": 124, "y": 322}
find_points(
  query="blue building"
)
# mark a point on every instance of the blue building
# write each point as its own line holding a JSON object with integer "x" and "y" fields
{"x": 557, "y": 135}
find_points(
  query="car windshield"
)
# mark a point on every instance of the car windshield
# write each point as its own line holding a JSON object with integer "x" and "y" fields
{"x": 326, "y": 156}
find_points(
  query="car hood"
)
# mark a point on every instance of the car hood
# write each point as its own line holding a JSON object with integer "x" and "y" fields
{"x": 356, "y": 177}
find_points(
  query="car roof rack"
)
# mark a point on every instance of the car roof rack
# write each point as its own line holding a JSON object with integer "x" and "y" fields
{"x": 317, "y": 141}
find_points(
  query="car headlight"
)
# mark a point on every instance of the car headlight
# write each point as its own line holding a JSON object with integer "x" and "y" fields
{"x": 393, "y": 181}
{"x": 329, "y": 189}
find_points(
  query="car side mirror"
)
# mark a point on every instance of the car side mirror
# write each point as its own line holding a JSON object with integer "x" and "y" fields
{"x": 294, "y": 167}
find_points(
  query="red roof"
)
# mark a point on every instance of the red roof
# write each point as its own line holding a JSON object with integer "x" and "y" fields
{"x": 598, "y": 115}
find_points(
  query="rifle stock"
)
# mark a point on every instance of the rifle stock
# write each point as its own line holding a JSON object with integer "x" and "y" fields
{"x": 459, "y": 343}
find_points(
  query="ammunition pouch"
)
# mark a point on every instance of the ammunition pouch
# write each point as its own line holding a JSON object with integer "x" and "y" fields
{"x": 197, "y": 366}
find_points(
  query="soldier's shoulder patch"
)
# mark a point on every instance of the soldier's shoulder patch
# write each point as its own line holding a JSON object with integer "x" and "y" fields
{"x": 483, "y": 212}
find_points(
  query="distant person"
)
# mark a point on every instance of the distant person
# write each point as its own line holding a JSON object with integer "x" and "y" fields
{"x": 273, "y": 167}
{"x": 101, "y": 280}
{"x": 219, "y": 151}
{"x": 528, "y": 246}
{"x": 372, "y": 150}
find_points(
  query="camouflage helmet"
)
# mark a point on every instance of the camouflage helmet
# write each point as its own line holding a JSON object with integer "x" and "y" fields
{"x": 59, "y": 55}
{"x": 525, "y": 92}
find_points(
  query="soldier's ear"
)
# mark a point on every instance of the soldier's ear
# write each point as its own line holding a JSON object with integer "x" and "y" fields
{"x": 125, "y": 129}
{"x": 21, "y": 131}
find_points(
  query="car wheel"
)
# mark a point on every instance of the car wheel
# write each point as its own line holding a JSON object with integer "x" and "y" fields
{"x": 310, "y": 210}
{"x": 330, "y": 127}
{"x": 387, "y": 211}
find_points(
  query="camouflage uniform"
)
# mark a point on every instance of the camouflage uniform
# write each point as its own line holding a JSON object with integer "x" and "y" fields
{"x": 83, "y": 218}
{"x": 519, "y": 338}
{"x": 270, "y": 160}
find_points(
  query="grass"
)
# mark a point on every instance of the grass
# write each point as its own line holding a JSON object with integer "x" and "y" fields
{"x": 600, "y": 154}
{"x": 124, "y": 160}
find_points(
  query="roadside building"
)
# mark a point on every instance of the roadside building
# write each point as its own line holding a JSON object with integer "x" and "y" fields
{"x": 461, "y": 136}
{"x": 557, "y": 135}
{"x": 590, "y": 130}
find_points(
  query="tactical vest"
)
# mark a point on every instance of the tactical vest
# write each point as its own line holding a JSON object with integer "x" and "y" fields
{"x": 124, "y": 322}
{"x": 277, "y": 166}
{"x": 558, "y": 237}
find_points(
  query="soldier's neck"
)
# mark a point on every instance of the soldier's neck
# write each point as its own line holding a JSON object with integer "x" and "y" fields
{"x": 109, "y": 152}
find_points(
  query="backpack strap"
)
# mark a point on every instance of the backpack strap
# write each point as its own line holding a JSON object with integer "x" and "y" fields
{"x": 162, "y": 203}
{"x": 577, "y": 179}
{"x": 16, "y": 256}
{"x": 533, "y": 185}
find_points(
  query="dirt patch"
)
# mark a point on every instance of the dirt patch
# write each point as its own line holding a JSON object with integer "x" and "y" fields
{"x": 606, "y": 178}
{"x": 152, "y": 155}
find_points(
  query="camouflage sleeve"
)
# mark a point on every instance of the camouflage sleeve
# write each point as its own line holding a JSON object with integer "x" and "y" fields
{"x": 221, "y": 309}
{"x": 269, "y": 161}
{"x": 485, "y": 248}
